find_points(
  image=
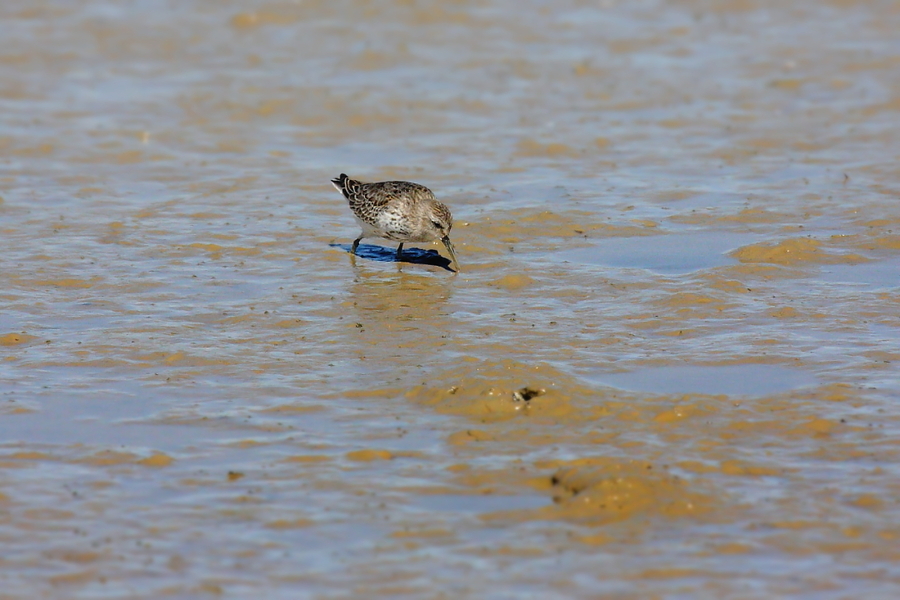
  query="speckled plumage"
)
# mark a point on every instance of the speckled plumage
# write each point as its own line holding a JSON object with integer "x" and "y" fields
{"x": 401, "y": 211}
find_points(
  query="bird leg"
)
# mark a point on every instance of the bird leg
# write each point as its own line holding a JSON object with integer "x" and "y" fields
{"x": 399, "y": 250}
{"x": 355, "y": 245}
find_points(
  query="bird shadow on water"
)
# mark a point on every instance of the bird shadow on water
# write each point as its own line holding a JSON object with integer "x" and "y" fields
{"x": 416, "y": 256}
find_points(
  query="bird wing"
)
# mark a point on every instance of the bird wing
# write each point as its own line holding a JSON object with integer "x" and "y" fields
{"x": 378, "y": 195}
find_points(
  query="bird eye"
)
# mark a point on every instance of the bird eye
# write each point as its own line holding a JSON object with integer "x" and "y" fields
{"x": 436, "y": 224}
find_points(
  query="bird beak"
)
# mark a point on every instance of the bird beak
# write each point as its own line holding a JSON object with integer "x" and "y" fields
{"x": 449, "y": 246}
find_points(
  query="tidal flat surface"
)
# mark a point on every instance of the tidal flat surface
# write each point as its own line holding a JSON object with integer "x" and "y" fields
{"x": 668, "y": 368}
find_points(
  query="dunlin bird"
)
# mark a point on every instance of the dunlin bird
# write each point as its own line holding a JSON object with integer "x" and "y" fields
{"x": 397, "y": 210}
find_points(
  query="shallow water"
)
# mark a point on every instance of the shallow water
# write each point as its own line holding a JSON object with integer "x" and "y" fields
{"x": 667, "y": 368}
{"x": 674, "y": 253}
{"x": 733, "y": 380}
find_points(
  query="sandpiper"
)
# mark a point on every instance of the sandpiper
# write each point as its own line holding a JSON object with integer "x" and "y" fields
{"x": 397, "y": 210}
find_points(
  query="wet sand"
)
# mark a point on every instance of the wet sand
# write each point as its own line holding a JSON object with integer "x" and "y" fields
{"x": 668, "y": 368}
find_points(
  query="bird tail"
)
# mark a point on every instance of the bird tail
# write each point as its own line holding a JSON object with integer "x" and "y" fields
{"x": 342, "y": 183}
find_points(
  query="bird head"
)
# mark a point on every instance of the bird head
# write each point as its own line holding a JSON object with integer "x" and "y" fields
{"x": 440, "y": 222}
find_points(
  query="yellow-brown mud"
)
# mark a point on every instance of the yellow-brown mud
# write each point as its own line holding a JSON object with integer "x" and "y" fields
{"x": 668, "y": 367}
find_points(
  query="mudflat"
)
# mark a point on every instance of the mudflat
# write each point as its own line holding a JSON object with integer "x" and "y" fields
{"x": 668, "y": 367}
